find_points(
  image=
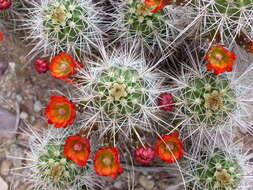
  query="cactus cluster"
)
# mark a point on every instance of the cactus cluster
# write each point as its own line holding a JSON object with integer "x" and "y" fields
{"x": 137, "y": 98}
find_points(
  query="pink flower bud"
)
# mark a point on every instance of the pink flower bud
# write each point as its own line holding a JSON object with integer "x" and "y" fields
{"x": 144, "y": 155}
{"x": 166, "y": 101}
{"x": 41, "y": 65}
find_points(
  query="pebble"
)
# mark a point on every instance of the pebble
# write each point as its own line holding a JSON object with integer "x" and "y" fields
{"x": 3, "y": 67}
{"x": 118, "y": 184}
{"x": 3, "y": 184}
{"x": 22, "y": 187}
{"x": 24, "y": 115}
{"x": 8, "y": 123}
{"x": 12, "y": 66}
{"x": 19, "y": 98}
{"x": 5, "y": 167}
{"x": 148, "y": 184}
{"x": 37, "y": 106}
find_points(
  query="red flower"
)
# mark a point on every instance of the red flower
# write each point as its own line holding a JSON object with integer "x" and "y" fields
{"x": 107, "y": 163}
{"x": 166, "y": 101}
{"x": 220, "y": 59}
{"x": 156, "y": 5}
{"x": 1, "y": 36}
{"x": 144, "y": 155}
{"x": 250, "y": 47}
{"x": 77, "y": 149}
{"x": 5, "y": 4}
{"x": 62, "y": 66}
{"x": 60, "y": 111}
{"x": 41, "y": 65}
{"x": 169, "y": 147}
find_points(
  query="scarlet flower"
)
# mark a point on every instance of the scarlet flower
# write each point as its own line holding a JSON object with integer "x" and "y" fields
{"x": 166, "y": 101}
{"x": 144, "y": 155}
{"x": 60, "y": 111}
{"x": 62, "y": 66}
{"x": 155, "y": 4}
{"x": 1, "y": 36}
{"x": 169, "y": 147}
{"x": 250, "y": 47}
{"x": 77, "y": 149}
{"x": 220, "y": 59}
{"x": 107, "y": 162}
{"x": 5, "y": 4}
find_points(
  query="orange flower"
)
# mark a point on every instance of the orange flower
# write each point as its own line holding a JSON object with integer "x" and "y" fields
{"x": 156, "y": 5}
{"x": 107, "y": 163}
{"x": 62, "y": 65}
{"x": 60, "y": 111}
{"x": 77, "y": 149}
{"x": 169, "y": 147}
{"x": 220, "y": 59}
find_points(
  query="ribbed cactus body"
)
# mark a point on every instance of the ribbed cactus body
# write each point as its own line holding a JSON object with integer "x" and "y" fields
{"x": 209, "y": 99}
{"x": 216, "y": 171}
{"x": 56, "y": 169}
{"x": 138, "y": 18}
{"x": 65, "y": 19}
{"x": 121, "y": 91}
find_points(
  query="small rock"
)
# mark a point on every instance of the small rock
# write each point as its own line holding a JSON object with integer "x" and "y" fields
{"x": 40, "y": 125}
{"x": 5, "y": 167}
{"x": 140, "y": 188}
{"x": 37, "y": 106}
{"x": 12, "y": 66}
{"x": 118, "y": 184}
{"x": 8, "y": 123}
{"x": 22, "y": 187}
{"x": 24, "y": 115}
{"x": 19, "y": 98}
{"x": 3, "y": 184}
{"x": 3, "y": 67}
{"x": 146, "y": 183}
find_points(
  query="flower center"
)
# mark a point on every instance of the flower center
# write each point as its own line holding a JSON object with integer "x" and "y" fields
{"x": 62, "y": 111}
{"x": 141, "y": 9}
{"x": 107, "y": 161}
{"x": 77, "y": 147}
{"x": 63, "y": 67}
{"x": 223, "y": 177}
{"x": 169, "y": 147}
{"x": 213, "y": 101}
{"x": 59, "y": 15}
{"x": 218, "y": 57}
{"x": 118, "y": 90}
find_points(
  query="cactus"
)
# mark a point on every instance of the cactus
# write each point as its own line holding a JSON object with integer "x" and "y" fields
{"x": 118, "y": 93}
{"x": 218, "y": 169}
{"x": 209, "y": 99}
{"x": 209, "y": 104}
{"x": 134, "y": 21}
{"x": 49, "y": 168}
{"x": 13, "y": 15}
{"x": 224, "y": 21}
{"x": 62, "y": 25}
